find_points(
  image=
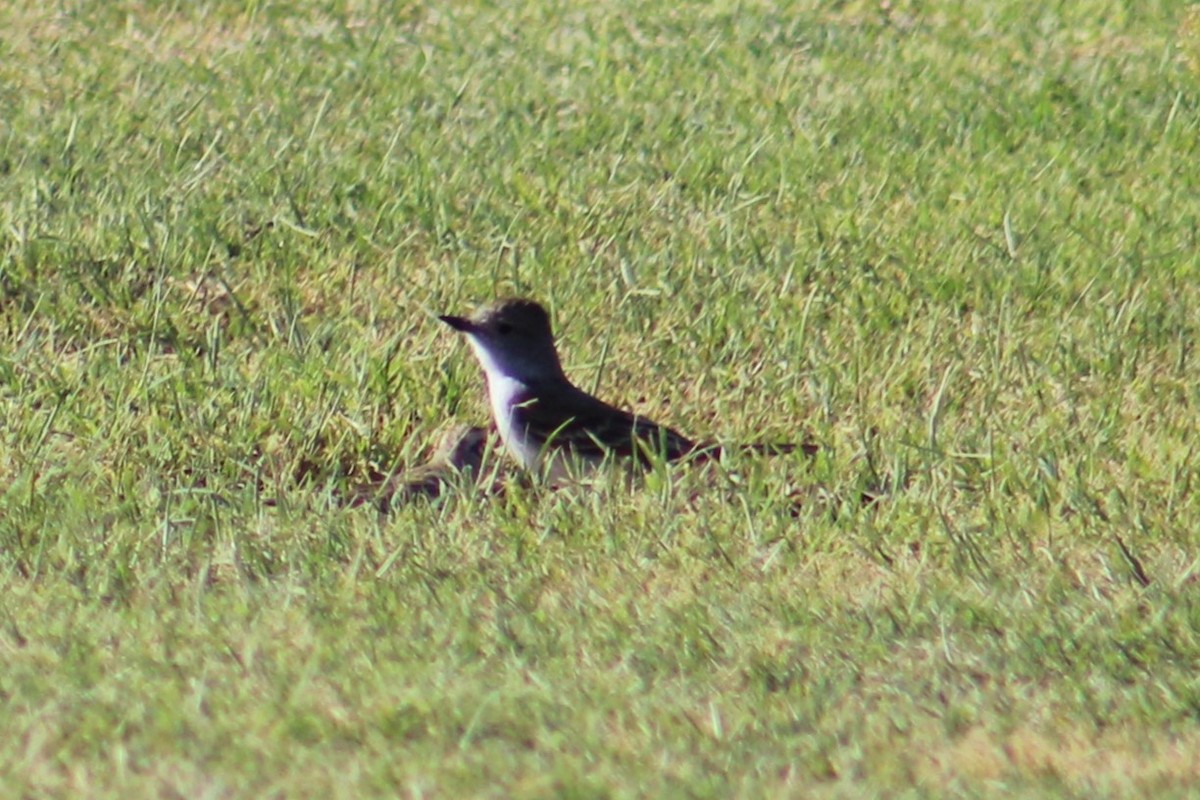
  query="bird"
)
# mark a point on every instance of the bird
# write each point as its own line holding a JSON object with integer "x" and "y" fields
{"x": 460, "y": 451}
{"x": 548, "y": 423}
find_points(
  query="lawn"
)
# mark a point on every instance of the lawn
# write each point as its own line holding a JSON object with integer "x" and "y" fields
{"x": 953, "y": 243}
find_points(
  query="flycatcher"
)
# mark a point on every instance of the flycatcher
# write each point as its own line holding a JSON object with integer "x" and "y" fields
{"x": 544, "y": 420}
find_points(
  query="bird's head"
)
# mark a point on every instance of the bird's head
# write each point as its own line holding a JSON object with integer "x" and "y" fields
{"x": 513, "y": 338}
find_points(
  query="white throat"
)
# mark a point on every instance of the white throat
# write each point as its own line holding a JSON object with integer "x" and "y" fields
{"x": 505, "y": 391}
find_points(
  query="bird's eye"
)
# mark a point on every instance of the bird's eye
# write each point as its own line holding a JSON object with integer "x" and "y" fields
{"x": 504, "y": 329}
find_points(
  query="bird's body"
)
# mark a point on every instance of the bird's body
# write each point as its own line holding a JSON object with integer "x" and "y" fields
{"x": 577, "y": 424}
{"x": 544, "y": 420}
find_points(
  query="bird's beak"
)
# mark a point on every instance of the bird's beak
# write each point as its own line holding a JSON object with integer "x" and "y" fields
{"x": 459, "y": 323}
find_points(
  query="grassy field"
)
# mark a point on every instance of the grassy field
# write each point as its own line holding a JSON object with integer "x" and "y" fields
{"x": 955, "y": 243}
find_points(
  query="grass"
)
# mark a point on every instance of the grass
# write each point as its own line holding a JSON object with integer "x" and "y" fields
{"x": 953, "y": 242}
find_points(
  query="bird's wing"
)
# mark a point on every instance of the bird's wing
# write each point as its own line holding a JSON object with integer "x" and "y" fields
{"x": 593, "y": 429}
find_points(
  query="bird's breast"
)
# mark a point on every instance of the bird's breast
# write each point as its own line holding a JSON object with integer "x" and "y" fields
{"x": 506, "y": 395}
